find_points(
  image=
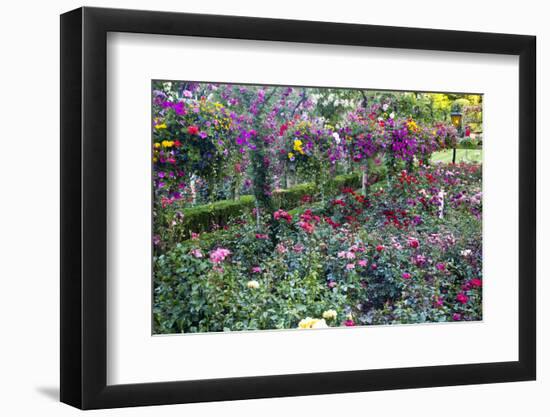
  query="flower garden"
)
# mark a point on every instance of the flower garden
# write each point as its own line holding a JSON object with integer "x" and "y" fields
{"x": 299, "y": 208}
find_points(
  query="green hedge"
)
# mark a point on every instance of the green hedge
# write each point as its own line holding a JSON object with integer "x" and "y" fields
{"x": 291, "y": 198}
{"x": 203, "y": 218}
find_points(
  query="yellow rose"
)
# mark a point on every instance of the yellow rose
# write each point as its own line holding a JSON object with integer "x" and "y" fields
{"x": 330, "y": 314}
{"x": 160, "y": 126}
{"x": 312, "y": 323}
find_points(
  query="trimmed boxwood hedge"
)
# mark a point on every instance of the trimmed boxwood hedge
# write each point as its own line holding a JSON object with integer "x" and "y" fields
{"x": 202, "y": 218}
{"x": 292, "y": 197}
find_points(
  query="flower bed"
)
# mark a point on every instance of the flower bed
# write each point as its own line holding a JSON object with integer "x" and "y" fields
{"x": 409, "y": 253}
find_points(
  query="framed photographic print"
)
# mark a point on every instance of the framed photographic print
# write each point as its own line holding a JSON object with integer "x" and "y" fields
{"x": 257, "y": 208}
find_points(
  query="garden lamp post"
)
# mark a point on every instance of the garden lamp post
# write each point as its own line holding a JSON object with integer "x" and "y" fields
{"x": 456, "y": 120}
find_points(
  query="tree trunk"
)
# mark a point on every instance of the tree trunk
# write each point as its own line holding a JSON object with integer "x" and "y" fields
{"x": 365, "y": 179}
{"x": 284, "y": 179}
{"x": 193, "y": 189}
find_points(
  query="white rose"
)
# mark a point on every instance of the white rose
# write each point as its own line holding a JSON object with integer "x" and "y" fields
{"x": 253, "y": 284}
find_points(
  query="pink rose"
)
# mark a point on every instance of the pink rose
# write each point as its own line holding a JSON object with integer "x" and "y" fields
{"x": 218, "y": 256}
{"x": 196, "y": 253}
{"x": 298, "y": 248}
{"x": 280, "y": 248}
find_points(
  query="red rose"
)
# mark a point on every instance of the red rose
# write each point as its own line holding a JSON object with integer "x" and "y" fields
{"x": 413, "y": 243}
{"x": 306, "y": 227}
{"x": 462, "y": 298}
{"x": 380, "y": 248}
{"x": 193, "y": 130}
{"x": 475, "y": 283}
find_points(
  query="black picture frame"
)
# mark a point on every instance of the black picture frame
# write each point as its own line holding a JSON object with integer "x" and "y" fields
{"x": 84, "y": 207}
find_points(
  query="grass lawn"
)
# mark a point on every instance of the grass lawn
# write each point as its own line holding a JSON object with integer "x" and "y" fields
{"x": 462, "y": 155}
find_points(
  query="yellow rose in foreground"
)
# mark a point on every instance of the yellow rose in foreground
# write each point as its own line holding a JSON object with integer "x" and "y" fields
{"x": 311, "y": 323}
{"x": 253, "y": 284}
{"x": 320, "y": 324}
{"x": 330, "y": 314}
